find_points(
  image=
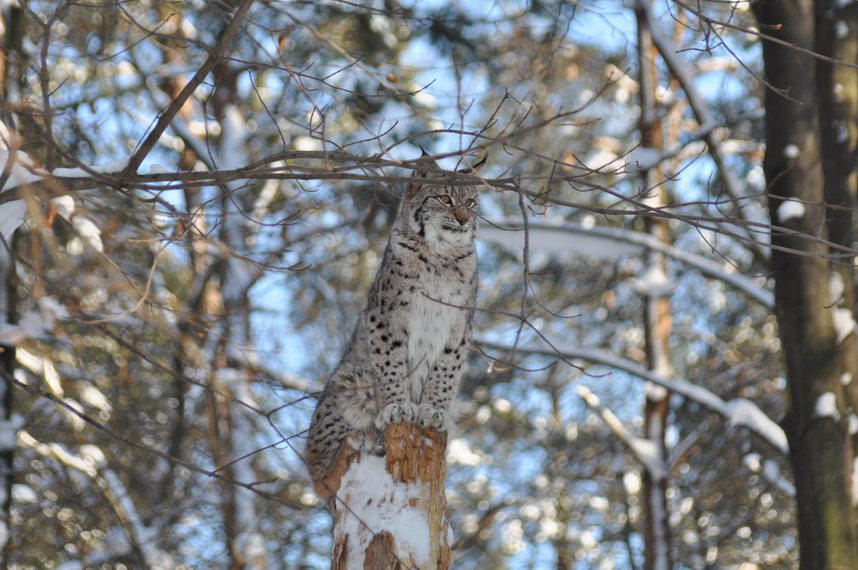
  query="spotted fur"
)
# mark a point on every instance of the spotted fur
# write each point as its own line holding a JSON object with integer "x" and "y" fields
{"x": 408, "y": 350}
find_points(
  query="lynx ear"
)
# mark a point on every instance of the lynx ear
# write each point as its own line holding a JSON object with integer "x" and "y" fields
{"x": 476, "y": 166}
{"x": 413, "y": 187}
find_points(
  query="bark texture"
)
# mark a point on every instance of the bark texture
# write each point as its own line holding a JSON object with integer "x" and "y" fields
{"x": 657, "y": 532}
{"x": 817, "y": 357}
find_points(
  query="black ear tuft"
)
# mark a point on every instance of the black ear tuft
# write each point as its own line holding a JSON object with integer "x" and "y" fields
{"x": 475, "y": 166}
{"x": 423, "y": 150}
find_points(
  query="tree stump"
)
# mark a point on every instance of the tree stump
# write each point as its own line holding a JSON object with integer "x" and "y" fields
{"x": 391, "y": 510}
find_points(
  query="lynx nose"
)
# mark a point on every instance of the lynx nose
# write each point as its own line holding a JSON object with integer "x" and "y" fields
{"x": 461, "y": 215}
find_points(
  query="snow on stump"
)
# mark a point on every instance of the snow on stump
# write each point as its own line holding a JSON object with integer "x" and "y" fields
{"x": 391, "y": 510}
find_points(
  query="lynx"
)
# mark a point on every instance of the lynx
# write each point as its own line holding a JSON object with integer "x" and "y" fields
{"x": 406, "y": 355}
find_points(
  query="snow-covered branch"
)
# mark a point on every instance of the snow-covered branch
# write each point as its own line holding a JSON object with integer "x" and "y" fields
{"x": 646, "y": 450}
{"x": 738, "y": 411}
{"x": 610, "y": 242}
{"x": 92, "y": 463}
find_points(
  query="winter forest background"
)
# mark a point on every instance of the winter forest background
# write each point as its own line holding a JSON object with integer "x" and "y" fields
{"x": 197, "y": 195}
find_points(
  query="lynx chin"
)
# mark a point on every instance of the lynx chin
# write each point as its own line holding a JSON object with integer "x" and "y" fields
{"x": 406, "y": 356}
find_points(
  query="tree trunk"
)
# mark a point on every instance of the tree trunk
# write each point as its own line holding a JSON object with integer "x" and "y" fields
{"x": 11, "y": 38}
{"x": 657, "y": 308}
{"x": 391, "y": 510}
{"x": 837, "y": 89}
{"x": 814, "y": 348}
{"x": 8, "y": 423}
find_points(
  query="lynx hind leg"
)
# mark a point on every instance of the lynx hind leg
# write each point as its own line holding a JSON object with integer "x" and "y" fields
{"x": 395, "y": 413}
{"x": 347, "y": 406}
{"x": 368, "y": 440}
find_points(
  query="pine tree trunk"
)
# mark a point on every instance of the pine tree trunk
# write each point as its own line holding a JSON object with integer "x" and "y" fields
{"x": 391, "y": 510}
{"x": 816, "y": 353}
{"x": 657, "y": 555}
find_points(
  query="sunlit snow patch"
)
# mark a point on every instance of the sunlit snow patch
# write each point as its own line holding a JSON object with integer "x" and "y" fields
{"x": 790, "y": 210}
{"x": 826, "y": 407}
{"x": 571, "y": 238}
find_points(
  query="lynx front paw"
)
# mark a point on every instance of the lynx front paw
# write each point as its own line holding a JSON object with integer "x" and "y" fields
{"x": 394, "y": 413}
{"x": 431, "y": 417}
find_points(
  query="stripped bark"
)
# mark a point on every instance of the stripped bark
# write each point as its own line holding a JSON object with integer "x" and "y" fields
{"x": 406, "y": 485}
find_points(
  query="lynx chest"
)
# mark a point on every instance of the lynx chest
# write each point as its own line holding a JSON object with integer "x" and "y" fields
{"x": 437, "y": 318}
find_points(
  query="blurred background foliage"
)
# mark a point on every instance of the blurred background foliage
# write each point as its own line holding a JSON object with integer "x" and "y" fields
{"x": 172, "y": 336}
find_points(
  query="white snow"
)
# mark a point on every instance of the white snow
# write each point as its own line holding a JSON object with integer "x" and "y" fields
{"x": 791, "y": 152}
{"x": 511, "y": 536}
{"x": 24, "y": 169}
{"x": 642, "y": 159}
{"x": 739, "y": 412}
{"x": 23, "y": 493}
{"x": 43, "y": 367}
{"x": 249, "y": 540}
{"x": 855, "y": 481}
{"x": 89, "y": 232}
{"x": 647, "y": 451}
{"x": 836, "y": 286}
{"x": 844, "y": 323}
{"x": 33, "y": 323}
{"x": 654, "y": 392}
{"x": 52, "y": 309}
{"x": 9, "y": 432}
{"x": 12, "y": 215}
{"x": 91, "y": 463}
{"x": 633, "y": 483}
{"x": 384, "y": 507}
{"x": 65, "y": 206}
{"x": 111, "y": 167}
{"x": 554, "y": 240}
{"x": 235, "y": 133}
{"x": 790, "y": 210}
{"x": 608, "y": 242}
{"x": 826, "y": 407}
{"x": 93, "y": 455}
{"x": 459, "y": 452}
{"x": 58, "y": 452}
{"x": 653, "y": 282}
{"x": 770, "y": 472}
{"x": 746, "y": 413}
{"x": 92, "y": 396}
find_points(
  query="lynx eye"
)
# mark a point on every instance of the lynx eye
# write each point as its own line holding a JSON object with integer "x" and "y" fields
{"x": 444, "y": 200}
{"x": 472, "y": 203}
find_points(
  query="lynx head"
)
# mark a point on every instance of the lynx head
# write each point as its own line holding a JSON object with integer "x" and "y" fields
{"x": 442, "y": 214}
